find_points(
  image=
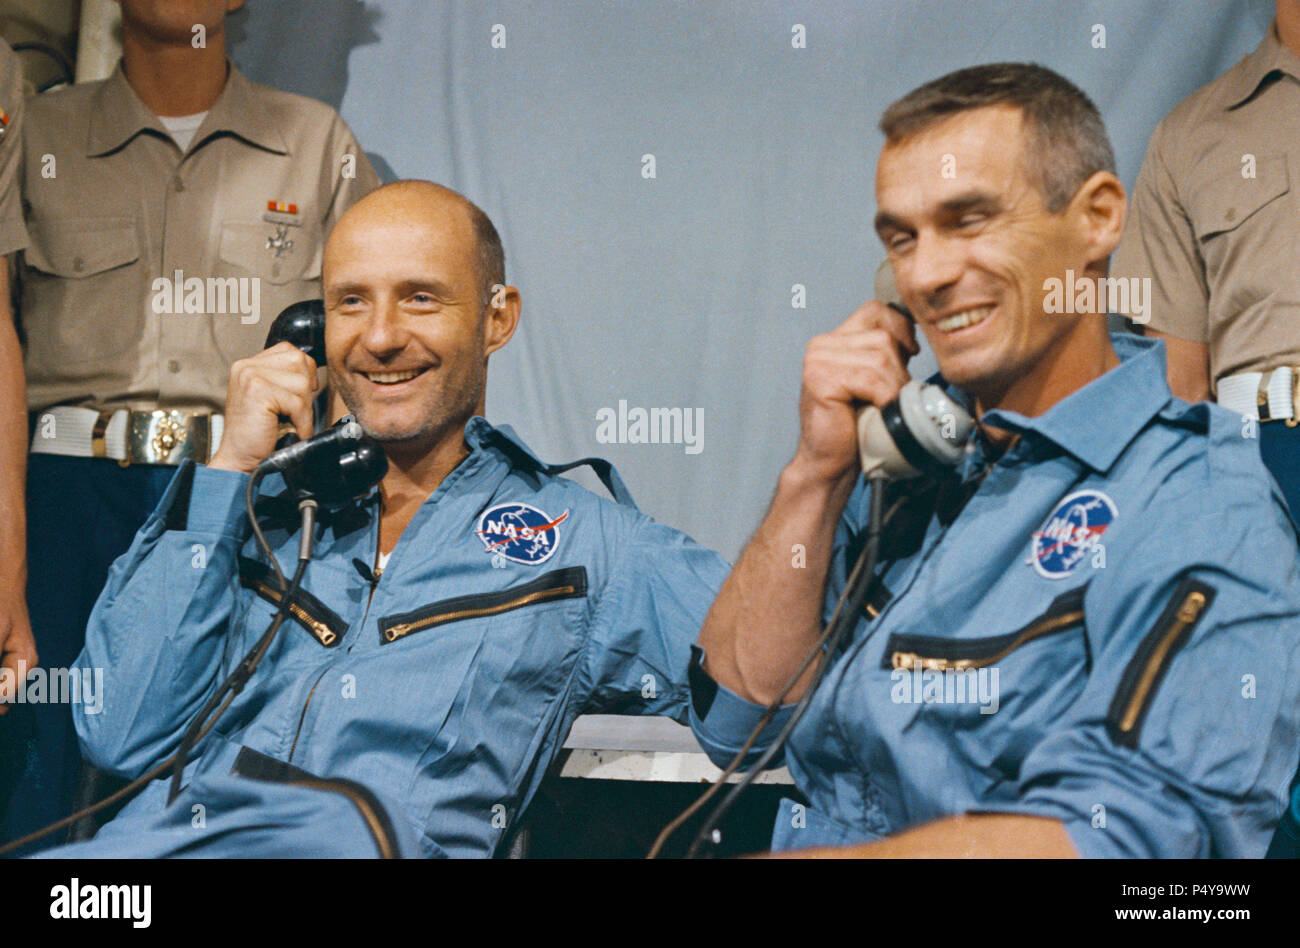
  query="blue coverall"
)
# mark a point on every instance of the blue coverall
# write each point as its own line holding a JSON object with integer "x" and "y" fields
{"x": 514, "y": 601}
{"x": 1108, "y": 633}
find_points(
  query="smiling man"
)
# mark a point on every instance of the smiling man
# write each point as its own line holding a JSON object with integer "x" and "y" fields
{"x": 452, "y": 624}
{"x": 1091, "y": 570}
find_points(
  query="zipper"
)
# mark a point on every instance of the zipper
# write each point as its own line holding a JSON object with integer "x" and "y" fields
{"x": 367, "y": 805}
{"x": 323, "y": 633}
{"x": 302, "y": 715}
{"x": 570, "y": 583}
{"x": 255, "y": 765}
{"x": 1156, "y": 651}
{"x": 878, "y": 600}
{"x": 936, "y": 653}
{"x": 325, "y": 626}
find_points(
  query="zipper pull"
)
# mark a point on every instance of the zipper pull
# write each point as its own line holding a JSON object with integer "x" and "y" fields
{"x": 1191, "y": 608}
{"x": 366, "y": 572}
{"x": 904, "y": 660}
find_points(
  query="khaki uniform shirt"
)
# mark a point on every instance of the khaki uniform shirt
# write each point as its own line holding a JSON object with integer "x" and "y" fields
{"x": 148, "y": 271}
{"x": 1215, "y": 219}
{"x": 12, "y": 235}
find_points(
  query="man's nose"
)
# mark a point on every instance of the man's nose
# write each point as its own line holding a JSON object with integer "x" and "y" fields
{"x": 934, "y": 266}
{"x": 385, "y": 330}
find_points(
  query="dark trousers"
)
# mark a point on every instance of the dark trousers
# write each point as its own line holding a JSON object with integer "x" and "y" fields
{"x": 1279, "y": 446}
{"x": 82, "y": 514}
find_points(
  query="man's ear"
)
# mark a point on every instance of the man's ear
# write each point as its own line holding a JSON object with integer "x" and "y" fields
{"x": 1099, "y": 208}
{"x": 502, "y": 317}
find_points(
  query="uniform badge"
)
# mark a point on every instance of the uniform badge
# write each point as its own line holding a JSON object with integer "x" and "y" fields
{"x": 520, "y": 533}
{"x": 282, "y": 215}
{"x": 5, "y": 119}
{"x": 1071, "y": 532}
{"x": 279, "y": 242}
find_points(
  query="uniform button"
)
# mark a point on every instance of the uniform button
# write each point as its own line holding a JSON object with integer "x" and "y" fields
{"x": 78, "y": 264}
{"x": 178, "y": 184}
{"x": 173, "y": 365}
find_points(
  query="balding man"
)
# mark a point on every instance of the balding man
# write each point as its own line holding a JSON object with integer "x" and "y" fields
{"x": 413, "y": 704}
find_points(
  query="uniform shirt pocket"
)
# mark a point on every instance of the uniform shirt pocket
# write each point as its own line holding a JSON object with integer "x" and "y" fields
{"x": 1236, "y": 221}
{"x": 278, "y": 254}
{"x": 1227, "y": 202}
{"x": 998, "y": 695}
{"x": 509, "y": 656}
{"x": 90, "y": 298}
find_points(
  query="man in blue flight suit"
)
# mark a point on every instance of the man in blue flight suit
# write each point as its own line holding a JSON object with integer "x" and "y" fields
{"x": 451, "y": 626}
{"x": 1089, "y": 647}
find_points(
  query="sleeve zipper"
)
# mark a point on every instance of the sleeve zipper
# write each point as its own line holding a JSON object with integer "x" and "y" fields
{"x": 1142, "y": 676}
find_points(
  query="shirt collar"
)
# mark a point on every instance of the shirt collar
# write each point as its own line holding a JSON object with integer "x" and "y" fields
{"x": 1096, "y": 423}
{"x": 1269, "y": 57}
{"x": 118, "y": 116}
{"x": 480, "y": 433}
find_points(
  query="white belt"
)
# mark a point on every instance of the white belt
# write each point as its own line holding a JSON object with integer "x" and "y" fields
{"x": 164, "y": 436}
{"x": 1246, "y": 392}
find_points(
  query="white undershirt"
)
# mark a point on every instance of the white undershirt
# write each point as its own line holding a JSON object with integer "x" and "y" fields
{"x": 182, "y": 127}
{"x": 383, "y": 560}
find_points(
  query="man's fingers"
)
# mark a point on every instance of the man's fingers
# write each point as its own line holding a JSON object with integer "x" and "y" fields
{"x": 286, "y": 394}
{"x": 18, "y": 656}
{"x": 286, "y": 355}
{"x": 874, "y": 314}
{"x": 831, "y": 356}
{"x": 282, "y": 362}
{"x": 304, "y": 421}
{"x": 291, "y": 383}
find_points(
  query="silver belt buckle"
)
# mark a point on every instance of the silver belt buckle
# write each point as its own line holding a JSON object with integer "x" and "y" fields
{"x": 167, "y": 437}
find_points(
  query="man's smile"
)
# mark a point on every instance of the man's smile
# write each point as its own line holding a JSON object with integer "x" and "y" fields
{"x": 963, "y": 319}
{"x": 391, "y": 378}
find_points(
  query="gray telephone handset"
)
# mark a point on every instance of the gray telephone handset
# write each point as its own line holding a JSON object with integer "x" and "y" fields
{"x": 923, "y": 432}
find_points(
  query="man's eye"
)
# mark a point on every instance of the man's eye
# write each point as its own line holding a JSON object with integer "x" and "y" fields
{"x": 898, "y": 242}
{"x": 970, "y": 220}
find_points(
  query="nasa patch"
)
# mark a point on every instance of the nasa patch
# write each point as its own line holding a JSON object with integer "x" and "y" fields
{"x": 520, "y": 533}
{"x": 1071, "y": 532}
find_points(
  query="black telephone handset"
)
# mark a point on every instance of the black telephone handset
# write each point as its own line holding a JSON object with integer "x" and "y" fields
{"x": 922, "y": 433}
{"x": 351, "y": 465}
{"x": 303, "y": 324}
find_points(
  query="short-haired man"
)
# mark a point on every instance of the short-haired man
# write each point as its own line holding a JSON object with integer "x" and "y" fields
{"x": 418, "y": 700}
{"x": 1090, "y": 572}
{"x": 171, "y": 210}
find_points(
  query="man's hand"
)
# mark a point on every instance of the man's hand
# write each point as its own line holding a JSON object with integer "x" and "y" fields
{"x": 863, "y": 360}
{"x": 768, "y": 613}
{"x": 16, "y": 643}
{"x": 279, "y": 381}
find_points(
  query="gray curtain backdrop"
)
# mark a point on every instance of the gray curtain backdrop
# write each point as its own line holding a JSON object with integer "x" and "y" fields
{"x": 676, "y": 291}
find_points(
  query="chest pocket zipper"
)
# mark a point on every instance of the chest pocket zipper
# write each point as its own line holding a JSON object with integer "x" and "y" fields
{"x": 1148, "y": 665}
{"x": 570, "y": 583}
{"x": 926, "y": 652}
{"x": 324, "y": 624}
